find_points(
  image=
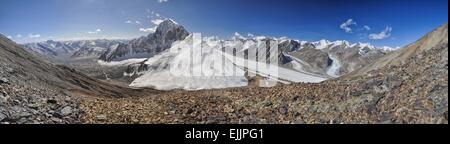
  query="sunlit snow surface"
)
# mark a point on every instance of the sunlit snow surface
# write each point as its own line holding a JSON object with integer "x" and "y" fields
{"x": 333, "y": 70}
{"x": 121, "y": 63}
{"x": 228, "y": 72}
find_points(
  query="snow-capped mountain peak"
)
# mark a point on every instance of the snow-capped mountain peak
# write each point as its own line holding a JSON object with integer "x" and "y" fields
{"x": 165, "y": 35}
{"x": 167, "y": 25}
{"x": 238, "y": 36}
{"x": 365, "y": 45}
{"x": 322, "y": 44}
{"x": 341, "y": 43}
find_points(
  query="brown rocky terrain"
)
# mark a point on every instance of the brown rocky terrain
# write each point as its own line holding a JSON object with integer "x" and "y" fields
{"x": 413, "y": 90}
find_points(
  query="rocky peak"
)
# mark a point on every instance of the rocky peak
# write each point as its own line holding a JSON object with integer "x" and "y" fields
{"x": 167, "y": 26}
{"x": 289, "y": 45}
{"x": 165, "y": 35}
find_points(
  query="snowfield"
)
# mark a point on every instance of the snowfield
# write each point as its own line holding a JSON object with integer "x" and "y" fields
{"x": 121, "y": 63}
{"x": 210, "y": 67}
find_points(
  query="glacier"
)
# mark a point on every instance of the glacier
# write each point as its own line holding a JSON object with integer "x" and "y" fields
{"x": 231, "y": 72}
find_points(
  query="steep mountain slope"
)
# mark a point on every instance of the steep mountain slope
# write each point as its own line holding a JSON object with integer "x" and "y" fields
{"x": 36, "y": 91}
{"x": 336, "y": 58}
{"x": 166, "y": 33}
{"x": 352, "y": 57}
{"x": 412, "y": 91}
{"x": 431, "y": 40}
{"x": 313, "y": 60}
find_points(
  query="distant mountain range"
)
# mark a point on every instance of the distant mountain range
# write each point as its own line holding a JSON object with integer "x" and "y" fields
{"x": 319, "y": 60}
{"x": 73, "y": 49}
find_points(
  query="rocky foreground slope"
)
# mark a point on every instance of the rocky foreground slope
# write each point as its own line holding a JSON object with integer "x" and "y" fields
{"x": 412, "y": 90}
{"x": 33, "y": 90}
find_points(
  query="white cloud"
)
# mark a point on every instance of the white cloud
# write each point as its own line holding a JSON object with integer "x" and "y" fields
{"x": 34, "y": 35}
{"x": 346, "y": 26}
{"x": 148, "y": 30}
{"x": 94, "y": 32}
{"x": 250, "y": 35}
{"x": 10, "y": 37}
{"x": 162, "y": 1}
{"x": 131, "y": 22}
{"x": 382, "y": 35}
{"x": 157, "y": 21}
{"x": 366, "y": 27}
{"x": 19, "y": 36}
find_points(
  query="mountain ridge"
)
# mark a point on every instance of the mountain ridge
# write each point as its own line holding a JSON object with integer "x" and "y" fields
{"x": 166, "y": 33}
{"x": 430, "y": 40}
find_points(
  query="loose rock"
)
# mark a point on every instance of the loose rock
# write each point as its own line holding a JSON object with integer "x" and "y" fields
{"x": 2, "y": 117}
{"x": 4, "y": 80}
{"x": 102, "y": 117}
{"x": 66, "y": 111}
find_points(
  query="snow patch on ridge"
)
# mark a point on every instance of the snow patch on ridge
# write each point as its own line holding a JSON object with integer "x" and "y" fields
{"x": 333, "y": 70}
{"x": 121, "y": 63}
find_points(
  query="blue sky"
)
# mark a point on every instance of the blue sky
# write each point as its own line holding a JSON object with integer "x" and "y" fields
{"x": 380, "y": 22}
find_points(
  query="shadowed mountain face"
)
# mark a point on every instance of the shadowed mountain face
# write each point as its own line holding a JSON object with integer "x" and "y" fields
{"x": 317, "y": 59}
